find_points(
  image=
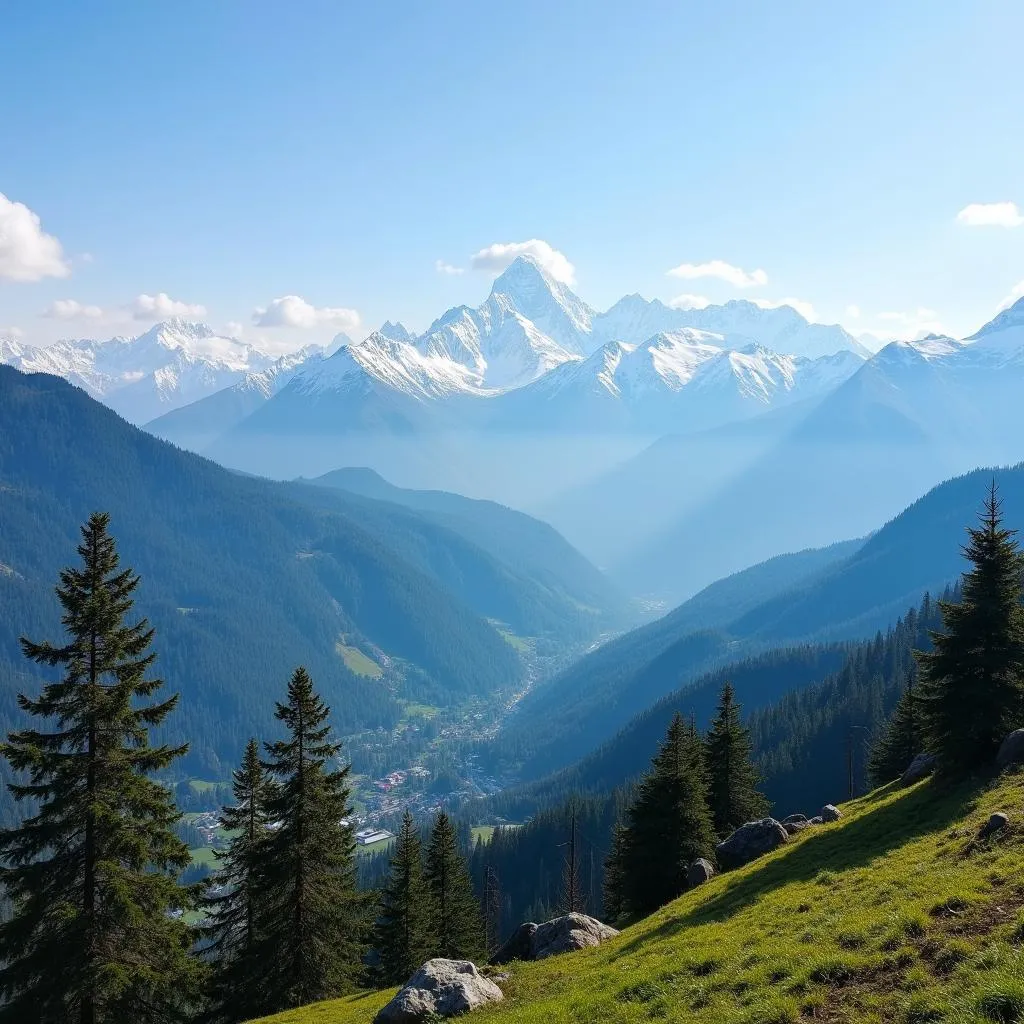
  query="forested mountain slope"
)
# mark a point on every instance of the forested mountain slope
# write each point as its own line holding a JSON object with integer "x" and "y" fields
{"x": 916, "y": 552}
{"x": 243, "y": 578}
{"x": 800, "y": 703}
{"x": 527, "y": 547}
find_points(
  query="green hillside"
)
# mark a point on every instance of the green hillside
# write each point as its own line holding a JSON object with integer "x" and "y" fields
{"x": 896, "y": 913}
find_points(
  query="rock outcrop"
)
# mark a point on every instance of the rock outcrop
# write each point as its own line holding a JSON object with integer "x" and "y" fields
{"x": 699, "y": 872}
{"x": 996, "y": 823}
{"x": 442, "y": 988}
{"x": 750, "y": 841}
{"x": 560, "y": 935}
{"x": 830, "y": 813}
{"x": 922, "y": 766}
{"x": 568, "y": 933}
{"x": 1011, "y": 750}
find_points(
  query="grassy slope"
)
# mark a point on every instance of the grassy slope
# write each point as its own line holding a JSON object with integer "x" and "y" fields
{"x": 893, "y": 914}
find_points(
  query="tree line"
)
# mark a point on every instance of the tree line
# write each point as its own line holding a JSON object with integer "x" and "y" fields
{"x": 698, "y": 790}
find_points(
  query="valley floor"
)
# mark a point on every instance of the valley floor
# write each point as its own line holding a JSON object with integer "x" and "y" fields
{"x": 895, "y": 913}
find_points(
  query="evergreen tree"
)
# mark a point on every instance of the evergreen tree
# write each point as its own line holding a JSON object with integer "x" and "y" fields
{"x": 971, "y": 681}
{"x": 312, "y": 926}
{"x": 236, "y": 903}
{"x": 900, "y": 741}
{"x": 732, "y": 778}
{"x": 613, "y": 893}
{"x": 401, "y": 929}
{"x": 669, "y": 824}
{"x": 96, "y": 935}
{"x": 456, "y": 928}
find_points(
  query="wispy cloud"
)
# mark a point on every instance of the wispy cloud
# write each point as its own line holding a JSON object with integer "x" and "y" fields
{"x": 910, "y": 324}
{"x": 1000, "y": 215}
{"x": 689, "y": 302}
{"x": 161, "y": 306}
{"x": 853, "y": 311}
{"x": 1016, "y": 292}
{"x": 27, "y": 253}
{"x": 72, "y": 309}
{"x": 294, "y": 311}
{"x": 736, "y": 276}
{"x": 495, "y": 258}
{"x": 447, "y": 268}
{"x": 802, "y": 306}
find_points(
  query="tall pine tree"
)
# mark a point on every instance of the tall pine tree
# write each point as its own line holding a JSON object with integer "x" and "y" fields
{"x": 401, "y": 930}
{"x": 456, "y": 926}
{"x": 613, "y": 893}
{"x": 971, "y": 681}
{"x": 900, "y": 741}
{"x": 668, "y": 825}
{"x": 312, "y": 927}
{"x": 235, "y": 903}
{"x": 96, "y": 935}
{"x": 732, "y": 778}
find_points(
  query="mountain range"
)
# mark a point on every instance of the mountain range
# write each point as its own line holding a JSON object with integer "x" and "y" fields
{"x": 173, "y": 364}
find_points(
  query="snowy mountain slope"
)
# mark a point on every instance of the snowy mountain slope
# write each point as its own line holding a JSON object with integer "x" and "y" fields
{"x": 199, "y": 424}
{"x": 171, "y": 365}
{"x": 741, "y": 323}
{"x": 528, "y": 325}
{"x": 681, "y": 380}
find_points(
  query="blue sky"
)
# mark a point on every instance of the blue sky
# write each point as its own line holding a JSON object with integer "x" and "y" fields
{"x": 226, "y": 155}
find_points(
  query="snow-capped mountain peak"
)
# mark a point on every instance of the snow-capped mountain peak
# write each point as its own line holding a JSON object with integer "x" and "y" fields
{"x": 555, "y": 309}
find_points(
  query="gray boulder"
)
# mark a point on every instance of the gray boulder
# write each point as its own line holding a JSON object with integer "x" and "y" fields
{"x": 750, "y": 841}
{"x": 445, "y": 988}
{"x": 519, "y": 945}
{"x": 792, "y": 827}
{"x": 830, "y": 813}
{"x": 793, "y": 819}
{"x": 816, "y": 820}
{"x": 1011, "y": 750}
{"x": 996, "y": 823}
{"x": 922, "y": 766}
{"x": 699, "y": 872}
{"x": 568, "y": 933}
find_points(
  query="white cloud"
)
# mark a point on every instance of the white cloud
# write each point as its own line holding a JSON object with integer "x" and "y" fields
{"x": 447, "y": 268}
{"x": 1016, "y": 292}
{"x": 689, "y": 302}
{"x": 802, "y": 306}
{"x": 27, "y": 253}
{"x": 736, "y": 276}
{"x": 72, "y": 309}
{"x": 294, "y": 311}
{"x": 161, "y": 306}
{"x": 233, "y": 329}
{"x": 853, "y": 311}
{"x": 1000, "y": 215}
{"x": 10, "y": 333}
{"x": 908, "y": 325}
{"x": 495, "y": 258}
